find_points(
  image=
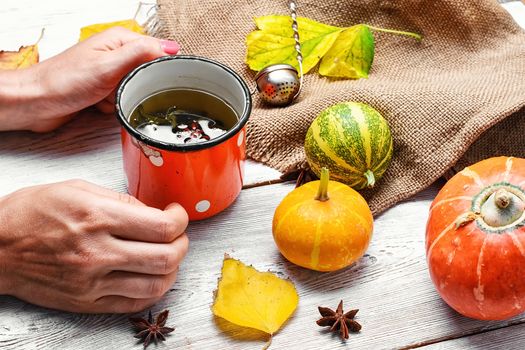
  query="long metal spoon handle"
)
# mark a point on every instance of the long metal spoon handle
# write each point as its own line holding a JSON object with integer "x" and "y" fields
{"x": 295, "y": 27}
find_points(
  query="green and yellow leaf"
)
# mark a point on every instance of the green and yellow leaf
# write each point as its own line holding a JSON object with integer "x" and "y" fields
{"x": 345, "y": 52}
{"x": 351, "y": 55}
{"x": 273, "y": 42}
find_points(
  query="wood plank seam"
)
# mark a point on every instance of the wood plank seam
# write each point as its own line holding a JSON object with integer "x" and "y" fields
{"x": 459, "y": 335}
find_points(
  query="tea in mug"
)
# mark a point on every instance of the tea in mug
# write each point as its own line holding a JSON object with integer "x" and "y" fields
{"x": 183, "y": 116}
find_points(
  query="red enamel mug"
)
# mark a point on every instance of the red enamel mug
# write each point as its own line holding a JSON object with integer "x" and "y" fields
{"x": 205, "y": 178}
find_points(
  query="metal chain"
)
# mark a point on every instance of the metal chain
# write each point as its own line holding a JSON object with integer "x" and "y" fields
{"x": 293, "y": 14}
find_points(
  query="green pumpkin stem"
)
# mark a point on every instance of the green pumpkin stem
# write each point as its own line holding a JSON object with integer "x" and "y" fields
{"x": 370, "y": 178}
{"x": 416, "y": 36}
{"x": 322, "y": 192}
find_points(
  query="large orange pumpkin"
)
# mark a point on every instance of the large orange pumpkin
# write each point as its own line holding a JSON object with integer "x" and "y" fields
{"x": 475, "y": 240}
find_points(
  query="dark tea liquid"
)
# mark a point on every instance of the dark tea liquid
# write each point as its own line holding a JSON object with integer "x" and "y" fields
{"x": 183, "y": 116}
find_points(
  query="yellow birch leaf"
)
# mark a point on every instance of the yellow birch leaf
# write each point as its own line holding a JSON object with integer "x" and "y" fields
{"x": 25, "y": 56}
{"x": 254, "y": 299}
{"x": 93, "y": 29}
{"x": 273, "y": 42}
{"x": 351, "y": 55}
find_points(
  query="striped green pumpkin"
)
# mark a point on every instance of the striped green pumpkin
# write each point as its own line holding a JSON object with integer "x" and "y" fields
{"x": 352, "y": 140}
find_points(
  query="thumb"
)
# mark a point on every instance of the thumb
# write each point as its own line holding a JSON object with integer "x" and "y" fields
{"x": 140, "y": 50}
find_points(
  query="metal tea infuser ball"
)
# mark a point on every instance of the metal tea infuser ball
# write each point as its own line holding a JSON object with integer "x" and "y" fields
{"x": 280, "y": 84}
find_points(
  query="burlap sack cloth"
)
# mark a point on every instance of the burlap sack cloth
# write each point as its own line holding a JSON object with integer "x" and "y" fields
{"x": 439, "y": 95}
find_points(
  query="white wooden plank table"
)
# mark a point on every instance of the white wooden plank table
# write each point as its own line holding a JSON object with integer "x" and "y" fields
{"x": 399, "y": 308}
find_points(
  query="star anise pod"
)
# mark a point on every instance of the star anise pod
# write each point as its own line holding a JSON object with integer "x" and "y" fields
{"x": 339, "y": 321}
{"x": 301, "y": 174}
{"x": 149, "y": 330}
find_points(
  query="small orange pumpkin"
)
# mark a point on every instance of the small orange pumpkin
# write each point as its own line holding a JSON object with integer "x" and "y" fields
{"x": 323, "y": 225}
{"x": 475, "y": 240}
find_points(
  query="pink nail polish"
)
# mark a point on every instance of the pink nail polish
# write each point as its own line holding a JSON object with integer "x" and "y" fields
{"x": 170, "y": 47}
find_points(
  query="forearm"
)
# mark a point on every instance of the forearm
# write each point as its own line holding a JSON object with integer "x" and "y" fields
{"x": 21, "y": 98}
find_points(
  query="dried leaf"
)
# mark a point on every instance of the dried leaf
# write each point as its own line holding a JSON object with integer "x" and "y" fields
{"x": 351, "y": 55}
{"x": 93, "y": 29}
{"x": 345, "y": 52}
{"x": 25, "y": 56}
{"x": 254, "y": 299}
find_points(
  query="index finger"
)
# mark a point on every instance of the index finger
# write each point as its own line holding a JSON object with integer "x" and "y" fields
{"x": 106, "y": 192}
{"x": 141, "y": 223}
{"x": 114, "y": 37}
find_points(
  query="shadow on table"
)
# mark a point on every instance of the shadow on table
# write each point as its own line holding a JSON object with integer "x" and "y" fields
{"x": 327, "y": 281}
{"x": 239, "y": 333}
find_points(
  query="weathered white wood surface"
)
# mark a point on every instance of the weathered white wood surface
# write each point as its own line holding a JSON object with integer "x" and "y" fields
{"x": 517, "y": 10}
{"x": 390, "y": 285}
{"x": 22, "y": 20}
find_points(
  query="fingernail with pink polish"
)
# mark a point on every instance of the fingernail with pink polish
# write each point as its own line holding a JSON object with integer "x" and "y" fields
{"x": 170, "y": 47}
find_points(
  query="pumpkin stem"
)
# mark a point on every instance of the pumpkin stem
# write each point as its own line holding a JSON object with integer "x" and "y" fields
{"x": 370, "y": 178}
{"x": 502, "y": 198}
{"x": 322, "y": 192}
{"x": 502, "y": 208}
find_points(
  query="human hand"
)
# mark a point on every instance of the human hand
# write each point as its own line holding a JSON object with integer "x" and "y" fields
{"x": 50, "y": 93}
{"x": 78, "y": 247}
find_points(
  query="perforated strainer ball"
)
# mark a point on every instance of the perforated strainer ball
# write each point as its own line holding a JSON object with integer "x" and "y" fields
{"x": 278, "y": 84}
